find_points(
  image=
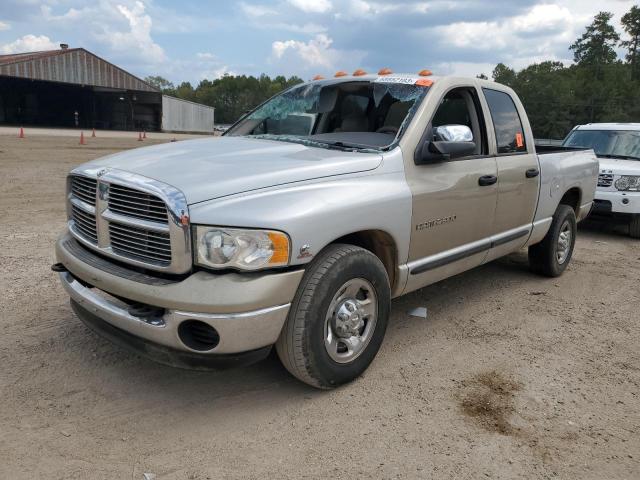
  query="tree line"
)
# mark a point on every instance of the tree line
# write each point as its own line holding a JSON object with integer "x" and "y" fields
{"x": 230, "y": 95}
{"x": 597, "y": 87}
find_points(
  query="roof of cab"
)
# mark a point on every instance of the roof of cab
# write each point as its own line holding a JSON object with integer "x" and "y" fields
{"x": 609, "y": 126}
{"x": 371, "y": 77}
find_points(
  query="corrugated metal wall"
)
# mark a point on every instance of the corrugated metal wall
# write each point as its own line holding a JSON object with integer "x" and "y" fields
{"x": 183, "y": 116}
{"x": 71, "y": 66}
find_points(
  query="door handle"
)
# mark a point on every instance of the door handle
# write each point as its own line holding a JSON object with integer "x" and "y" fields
{"x": 485, "y": 180}
{"x": 532, "y": 173}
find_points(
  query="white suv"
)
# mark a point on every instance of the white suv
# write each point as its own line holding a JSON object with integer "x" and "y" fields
{"x": 617, "y": 146}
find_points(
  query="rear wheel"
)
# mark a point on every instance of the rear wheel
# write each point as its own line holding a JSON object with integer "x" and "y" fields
{"x": 338, "y": 317}
{"x": 551, "y": 256}
{"x": 634, "y": 226}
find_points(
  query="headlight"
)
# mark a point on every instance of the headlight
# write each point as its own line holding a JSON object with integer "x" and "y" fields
{"x": 219, "y": 247}
{"x": 628, "y": 182}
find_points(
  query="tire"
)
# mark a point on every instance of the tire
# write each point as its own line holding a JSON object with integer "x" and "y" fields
{"x": 634, "y": 226}
{"x": 548, "y": 258}
{"x": 310, "y": 346}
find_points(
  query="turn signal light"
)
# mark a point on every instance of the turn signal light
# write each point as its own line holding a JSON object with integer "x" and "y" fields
{"x": 341, "y": 73}
{"x": 359, "y": 72}
{"x": 385, "y": 71}
{"x": 425, "y": 73}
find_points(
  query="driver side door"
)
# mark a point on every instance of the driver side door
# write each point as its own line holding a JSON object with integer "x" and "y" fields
{"x": 454, "y": 201}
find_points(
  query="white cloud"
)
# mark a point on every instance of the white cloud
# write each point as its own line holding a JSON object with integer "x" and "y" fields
{"x": 136, "y": 41}
{"x": 356, "y": 10}
{"x": 314, "y": 53}
{"x": 205, "y": 56}
{"x": 318, "y": 54}
{"x": 4, "y": 26}
{"x": 312, "y": 6}
{"x": 29, "y": 43}
{"x": 256, "y": 11}
{"x": 218, "y": 73}
{"x": 71, "y": 14}
{"x": 536, "y": 35}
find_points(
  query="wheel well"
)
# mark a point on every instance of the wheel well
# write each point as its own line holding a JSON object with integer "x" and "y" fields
{"x": 572, "y": 199}
{"x": 378, "y": 242}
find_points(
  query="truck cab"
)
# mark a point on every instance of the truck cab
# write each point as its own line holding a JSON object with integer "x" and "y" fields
{"x": 617, "y": 146}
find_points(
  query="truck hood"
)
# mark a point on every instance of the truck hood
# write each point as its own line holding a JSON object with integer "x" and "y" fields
{"x": 209, "y": 168}
{"x": 619, "y": 167}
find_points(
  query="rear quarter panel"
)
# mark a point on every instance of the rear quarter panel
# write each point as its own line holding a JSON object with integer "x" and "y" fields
{"x": 559, "y": 173}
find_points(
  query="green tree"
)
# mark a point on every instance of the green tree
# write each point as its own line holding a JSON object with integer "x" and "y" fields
{"x": 159, "y": 82}
{"x": 597, "y": 44}
{"x": 503, "y": 74}
{"x": 631, "y": 24}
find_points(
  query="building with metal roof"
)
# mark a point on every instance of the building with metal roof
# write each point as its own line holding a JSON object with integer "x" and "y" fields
{"x": 72, "y": 87}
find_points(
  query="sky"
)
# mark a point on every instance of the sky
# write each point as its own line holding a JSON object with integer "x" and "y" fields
{"x": 191, "y": 40}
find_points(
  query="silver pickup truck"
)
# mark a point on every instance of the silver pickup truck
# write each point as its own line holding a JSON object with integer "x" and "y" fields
{"x": 300, "y": 224}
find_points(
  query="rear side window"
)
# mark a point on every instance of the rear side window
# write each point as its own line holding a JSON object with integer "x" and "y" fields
{"x": 506, "y": 122}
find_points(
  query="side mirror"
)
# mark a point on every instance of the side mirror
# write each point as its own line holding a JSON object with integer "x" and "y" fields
{"x": 445, "y": 143}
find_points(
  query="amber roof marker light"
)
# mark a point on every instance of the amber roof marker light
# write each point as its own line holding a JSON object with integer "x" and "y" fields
{"x": 317, "y": 77}
{"x": 385, "y": 71}
{"x": 425, "y": 73}
{"x": 359, "y": 73}
{"x": 341, "y": 73}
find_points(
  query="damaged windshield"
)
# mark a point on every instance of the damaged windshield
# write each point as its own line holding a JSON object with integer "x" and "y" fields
{"x": 357, "y": 115}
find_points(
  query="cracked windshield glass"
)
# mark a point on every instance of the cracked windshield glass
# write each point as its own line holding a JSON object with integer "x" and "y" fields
{"x": 356, "y": 115}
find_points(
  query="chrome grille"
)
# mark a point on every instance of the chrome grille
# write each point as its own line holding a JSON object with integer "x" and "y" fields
{"x": 605, "y": 180}
{"x": 137, "y": 204}
{"x": 140, "y": 243}
{"x": 84, "y": 189}
{"x": 130, "y": 218}
{"x": 84, "y": 223}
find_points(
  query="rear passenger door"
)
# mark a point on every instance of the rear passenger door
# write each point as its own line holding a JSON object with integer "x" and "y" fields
{"x": 518, "y": 172}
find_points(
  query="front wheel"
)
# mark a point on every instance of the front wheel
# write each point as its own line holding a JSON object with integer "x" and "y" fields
{"x": 337, "y": 319}
{"x": 551, "y": 256}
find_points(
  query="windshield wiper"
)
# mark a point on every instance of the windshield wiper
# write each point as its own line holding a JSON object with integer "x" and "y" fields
{"x": 345, "y": 146}
{"x": 621, "y": 157}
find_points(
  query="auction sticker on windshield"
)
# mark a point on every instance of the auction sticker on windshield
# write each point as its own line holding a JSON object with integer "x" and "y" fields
{"x": 390, "y": 79}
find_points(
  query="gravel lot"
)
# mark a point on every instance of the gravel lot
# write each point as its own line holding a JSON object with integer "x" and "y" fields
{"x": 510, "y": 376}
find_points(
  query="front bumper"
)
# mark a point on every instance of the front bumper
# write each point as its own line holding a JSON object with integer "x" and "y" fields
{"x": 247, "y": 311}
{"x": 621, "y": 202}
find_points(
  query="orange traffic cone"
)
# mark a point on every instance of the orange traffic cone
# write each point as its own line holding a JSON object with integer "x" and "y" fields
{"x": 144, "y": 134}
{"x": 21, "y": 133}
{"x": 93, "y": 133}
{"x": 139, "y": 136}
{"x": 82, "y": 142}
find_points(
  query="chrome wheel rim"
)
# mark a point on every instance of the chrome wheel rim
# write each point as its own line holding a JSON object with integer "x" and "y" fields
{"x": 350, "y": 320}
{"x": 564, "y": 242}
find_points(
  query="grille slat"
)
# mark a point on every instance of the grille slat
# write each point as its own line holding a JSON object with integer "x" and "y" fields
{"x": 85, "y": 224}
{"x": 150, "y": 236}
{"x": 84, "y": 189}
{"x": 133, "y": 203}
{"x": 163, "y": 251}
{"x": 139, "y": 243}
{"x": 605, "y": 180}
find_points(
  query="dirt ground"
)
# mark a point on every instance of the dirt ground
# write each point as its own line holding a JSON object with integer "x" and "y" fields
{"x": 510, "y": 376}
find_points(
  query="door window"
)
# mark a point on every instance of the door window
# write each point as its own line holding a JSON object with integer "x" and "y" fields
{"x": 506, "y": 122}
{"x": 461, "y": 107}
